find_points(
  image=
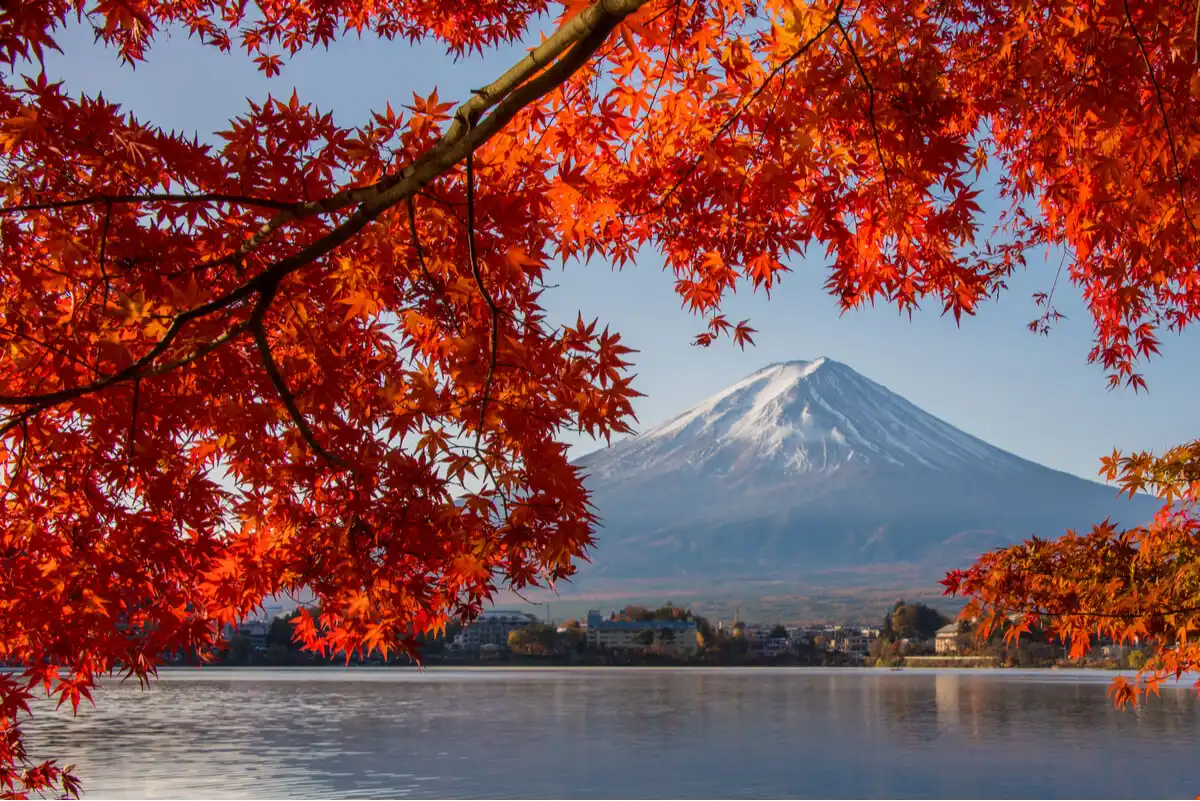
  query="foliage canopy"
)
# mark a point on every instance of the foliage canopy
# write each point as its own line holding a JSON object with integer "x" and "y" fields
{"x": 312, "y": 355}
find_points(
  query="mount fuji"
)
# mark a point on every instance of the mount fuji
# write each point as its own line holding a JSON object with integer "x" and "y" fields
{"x": 804, "y": 469}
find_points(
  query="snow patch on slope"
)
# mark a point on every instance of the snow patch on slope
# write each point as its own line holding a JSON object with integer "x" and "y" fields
{"x": 801, "y": 417}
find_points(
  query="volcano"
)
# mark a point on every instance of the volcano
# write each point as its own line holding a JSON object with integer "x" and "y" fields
{"x": 808, "y": 467}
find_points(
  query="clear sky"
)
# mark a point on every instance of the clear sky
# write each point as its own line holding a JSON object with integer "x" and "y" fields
{"x": 1034, "y": 396}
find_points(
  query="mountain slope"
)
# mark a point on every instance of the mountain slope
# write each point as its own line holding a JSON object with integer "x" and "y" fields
{"x": 804, "y": 467}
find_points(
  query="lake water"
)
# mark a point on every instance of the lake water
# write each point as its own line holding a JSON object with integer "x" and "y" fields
{"x": 624, "y": 733}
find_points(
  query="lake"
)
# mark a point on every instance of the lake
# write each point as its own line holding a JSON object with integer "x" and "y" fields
{"x": 625, "y": 733}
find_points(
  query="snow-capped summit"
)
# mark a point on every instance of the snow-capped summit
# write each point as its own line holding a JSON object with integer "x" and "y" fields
{"x": 800, "y": 417}
{"x": 808, "y": 465}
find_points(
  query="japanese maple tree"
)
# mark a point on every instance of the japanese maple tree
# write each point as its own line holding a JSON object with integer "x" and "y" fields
{"x": 283, "y": 353}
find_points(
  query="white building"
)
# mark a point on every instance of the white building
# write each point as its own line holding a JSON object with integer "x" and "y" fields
{"x": 855, "y": 645}
{"x": 672, "y": 635}
{"x": 946, "y": 640}
{"x": 492, "y": 628}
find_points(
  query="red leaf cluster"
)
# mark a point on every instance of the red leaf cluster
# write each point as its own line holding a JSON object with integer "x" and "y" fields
{"x": 311, "y": 355}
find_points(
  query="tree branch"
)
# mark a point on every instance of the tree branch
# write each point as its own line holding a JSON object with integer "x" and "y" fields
{"x": 592, "y": 25}
{"x": 572, "y": 45}
{"x": 176, "y": 197}
{"x": 887, "y": 183}
{"x": 272, "y": 369}
{"x": 19, "y": 468}
{"x": 420, "y": 251}
{"x": 1047, "y": 612}
{"x": 744, "y": 104}
{"x": 495, "y": 322}
{"x": 1196, "y": 35}
{"x": 137, "y": 386}
{"x": 103, "y": 258}
{"x": 1162, "y": 110}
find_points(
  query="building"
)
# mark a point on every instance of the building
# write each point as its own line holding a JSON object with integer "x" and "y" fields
{"x": 760, "y": 640}
{"x": 800, "y": 637}
{"x": 854, "y": 645}
{"x": 253, "y": 631}
{"x": 773, "y": 645}
{"x": 492, "y": 628}
{"x": 946, "y": 640}
{"x": 672, "y": 635}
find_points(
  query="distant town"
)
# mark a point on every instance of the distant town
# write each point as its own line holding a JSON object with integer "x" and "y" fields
{"x": 906, "y": 635}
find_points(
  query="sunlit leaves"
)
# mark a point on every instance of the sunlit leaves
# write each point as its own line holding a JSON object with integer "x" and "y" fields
{"x": 381, "y": 421}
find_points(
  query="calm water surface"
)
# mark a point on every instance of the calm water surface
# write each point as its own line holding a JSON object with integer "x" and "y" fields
{"x": 621, "y": 733}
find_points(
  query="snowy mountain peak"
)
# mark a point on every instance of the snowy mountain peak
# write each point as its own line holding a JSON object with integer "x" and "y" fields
{"x": 804, "y": 473}
{"x": 800, "y": 417}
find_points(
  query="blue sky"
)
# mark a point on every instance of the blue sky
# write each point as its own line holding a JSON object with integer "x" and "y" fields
{"x": 1034, "y": 396}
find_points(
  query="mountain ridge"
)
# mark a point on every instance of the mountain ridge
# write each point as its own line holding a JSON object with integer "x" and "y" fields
{"x": 805, "y": 467}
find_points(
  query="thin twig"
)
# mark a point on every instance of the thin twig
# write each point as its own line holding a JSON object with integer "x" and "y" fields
{"x": 103, "y": 256}
{"x": 495, "y": 322}
{"x": 744, "y": 104}
{"x": 1162, "y": 109}
{"x": 137, "y": 386}
{"x": 662, "y": 77}
{"x": 887, "y": 183}
{"x": 109, "y": 200}
{"x": 573, "y": 45}
{"x": 228, "y": 335}
{"x": 285, "y": 395}
{"x": 439, "y": 291}
{"x": 19, "y": 468}
{"x": 1043, "y": 326}
{"x": 1196, "y": 36}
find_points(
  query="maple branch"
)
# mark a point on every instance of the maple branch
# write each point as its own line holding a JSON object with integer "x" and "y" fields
{"x": 176, "y": 197}
{"x": 1045, "y": 612}
{"x": 572, "y": 45}
{"x": 487, "y": 297}
{"x": 137, "y": 386}
{"x": 233, "y": 332}
{"x": 272, "y": 369}
{"x": 103, "y": 258}
{"x": 748, "y": 101}
{"x": 420, "y": 251}
{"x": 1042, "y": 324}
{"x": 134, "y": 370}
{"x": 1162, "y": 110}
{"x": 1196, "y": 35}
{"x": 517, "y": 87}
{"x": 48, "y": 347}
{"x": 19, "y": 468}
{"x": 416, "y": 238}
{"x": 662, "y": 75}
{"x": 887, "y": 183}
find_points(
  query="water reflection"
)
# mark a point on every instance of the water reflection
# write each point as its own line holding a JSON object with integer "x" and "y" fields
{"x": 625, "y": 733}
